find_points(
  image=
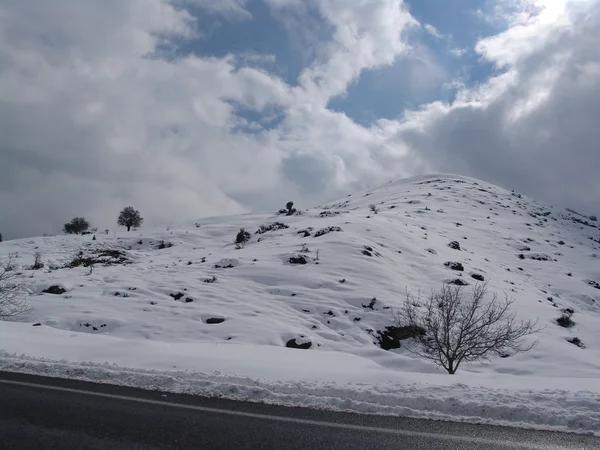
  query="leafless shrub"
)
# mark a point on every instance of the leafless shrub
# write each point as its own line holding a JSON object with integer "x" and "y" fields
{"x": 13, "y": 301}
{"x": 373, "y": 208}
{"x": 37, "y": 262}
{"x": 463, "y": 329}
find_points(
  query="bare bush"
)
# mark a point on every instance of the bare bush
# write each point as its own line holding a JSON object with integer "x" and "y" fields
{"x": 37, "y": 261}
{"x": 463, "y": 329}
{"x": 13, "y": 301}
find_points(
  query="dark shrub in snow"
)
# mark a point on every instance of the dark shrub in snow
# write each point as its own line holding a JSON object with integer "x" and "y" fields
{"x": 241, "y": 238}
{"x": 274, "y": 226}
{"x": 98, "y": 256}
{"x": 324, "y": 231}
{"x": 477, "y": 277}
{"x": 565, "y": 320}
{"x": 164, "y": 244}
{"x": 77, "y": 225}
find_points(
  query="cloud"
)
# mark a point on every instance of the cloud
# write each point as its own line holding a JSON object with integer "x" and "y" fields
{"x": 98, "y": 112}
{"x": 91, "y": 121}
{"x": 366, "y": 35}
{"x": 533, "y": 126}
{"x": 433, "y": 31}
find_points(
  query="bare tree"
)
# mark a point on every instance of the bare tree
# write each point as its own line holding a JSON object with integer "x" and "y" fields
{"x": 37, "y": 261}
{"x": 373, "y": 208}
{"x": 13, "y": 302}
{"x": 456, "y": 329}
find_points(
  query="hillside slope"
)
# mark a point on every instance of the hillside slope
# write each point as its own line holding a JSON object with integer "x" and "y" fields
{"x": 357, "y": 267}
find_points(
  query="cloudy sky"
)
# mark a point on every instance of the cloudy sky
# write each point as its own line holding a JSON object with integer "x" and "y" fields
{"x": 191, "y": 108}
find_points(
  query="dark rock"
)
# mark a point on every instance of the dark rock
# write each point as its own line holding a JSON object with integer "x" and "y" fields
{"x": 37, "y": 324}
{"x": 298, "y": 259}
{"x": 478, "y": 277}
{"x": 343, "y": 280}
{"x": 454, "y": 245}
{"x": 391, "y": 336}
{"x": 189, "y": 299}
{"x": 162, "y": 244}
{"x": 214, "y": 320}
{"x": 454, "y": 265}
{"x": 371, "y": 304}
{"x": 576, "y": 341}
{"x": 594, "y": 284}
{"x": 55, "y": 289}
{"x": 367, "y": 253}
{"x": 521, "y": 256}
{"x": 293, "y": 344}
{"x": 177, "y": 296}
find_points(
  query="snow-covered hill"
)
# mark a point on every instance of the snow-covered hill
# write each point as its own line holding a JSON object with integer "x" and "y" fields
{"x": 327, "y": 278}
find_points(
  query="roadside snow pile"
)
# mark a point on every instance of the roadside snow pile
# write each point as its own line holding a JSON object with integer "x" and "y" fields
{"x": 322, "y": 380}
{"x": 325, "y": 282}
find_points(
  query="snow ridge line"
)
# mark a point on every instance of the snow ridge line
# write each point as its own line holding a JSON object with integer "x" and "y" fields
{"x": 575, "y": 412}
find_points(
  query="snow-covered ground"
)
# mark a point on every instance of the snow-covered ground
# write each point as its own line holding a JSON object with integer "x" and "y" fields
{"x": 204, "y": 317}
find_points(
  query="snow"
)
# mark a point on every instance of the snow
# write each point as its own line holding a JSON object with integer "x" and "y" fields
{"x": 145, "y": 320}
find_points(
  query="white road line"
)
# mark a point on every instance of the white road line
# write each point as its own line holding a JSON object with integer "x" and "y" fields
{"x": 466, "y": 439}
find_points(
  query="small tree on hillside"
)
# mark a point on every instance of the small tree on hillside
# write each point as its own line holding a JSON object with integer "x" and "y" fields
{"x": 77, "y": 225}
{"x": 458, "y": 329}
{"x": 241, "y": 238}
{"x": 130, "y": 217}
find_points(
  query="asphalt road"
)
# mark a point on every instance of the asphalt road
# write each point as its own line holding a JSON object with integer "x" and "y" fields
{"x": 49, "y": 413}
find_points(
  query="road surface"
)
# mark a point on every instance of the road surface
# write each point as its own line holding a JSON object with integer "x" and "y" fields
{"x": 51, "y": 413}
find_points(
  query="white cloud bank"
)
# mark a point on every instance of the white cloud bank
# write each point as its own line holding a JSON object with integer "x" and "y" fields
{"x": 92, "y": 119}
